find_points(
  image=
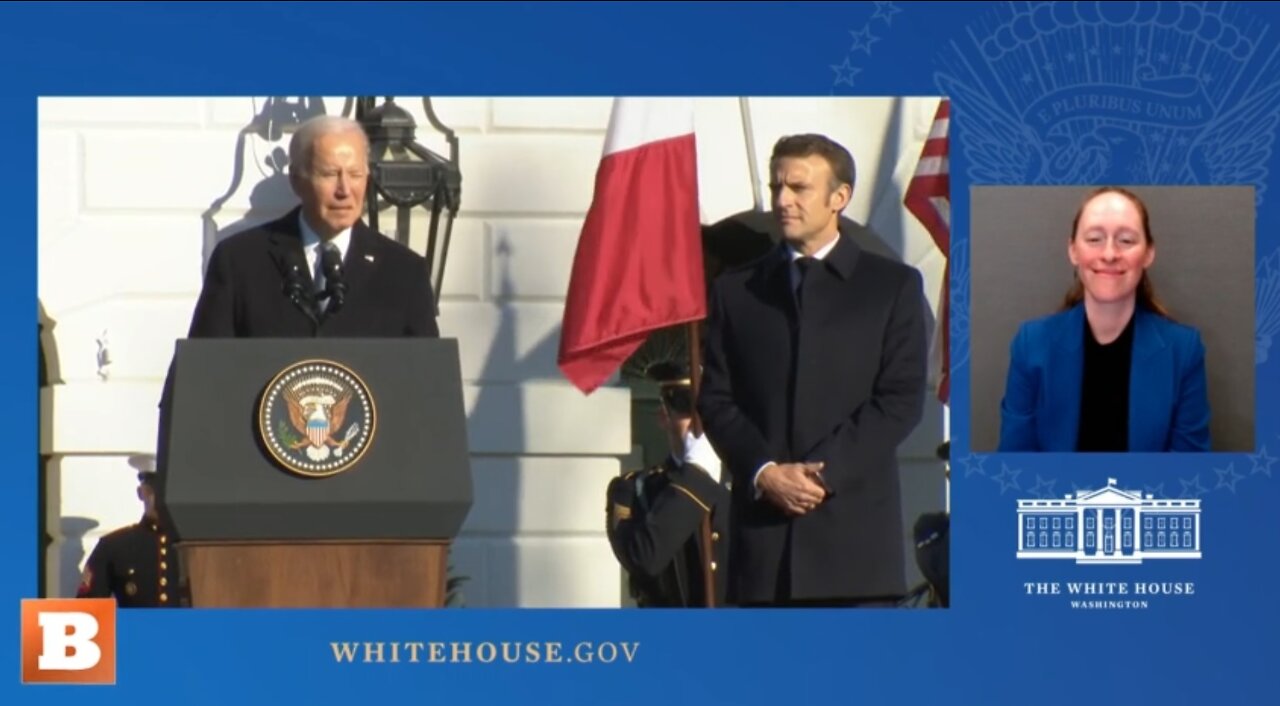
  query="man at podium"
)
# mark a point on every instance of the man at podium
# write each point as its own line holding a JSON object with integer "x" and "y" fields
{"x": 318, "y": 270}
{"x": 263, "y": 465}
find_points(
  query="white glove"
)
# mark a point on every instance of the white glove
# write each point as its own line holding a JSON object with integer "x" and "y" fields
{"x": 698, "y": 451}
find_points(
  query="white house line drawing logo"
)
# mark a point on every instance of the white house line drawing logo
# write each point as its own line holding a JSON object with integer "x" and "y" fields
{"x": 1109, "y": 526}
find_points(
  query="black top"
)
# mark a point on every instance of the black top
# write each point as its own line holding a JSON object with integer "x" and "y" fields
{"x": 137, "y": 565}
{"x": 654, "y": 524}
{"x": 1104, "y": 404}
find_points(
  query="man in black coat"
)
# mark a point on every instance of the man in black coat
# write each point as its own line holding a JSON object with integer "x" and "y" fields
{"x": 669, "y": 524}
{"x": 265, "y": 281}
{"x": 318, "y": 271}
{"x": 137, "y": 565}
{"x": 815, "y": 373}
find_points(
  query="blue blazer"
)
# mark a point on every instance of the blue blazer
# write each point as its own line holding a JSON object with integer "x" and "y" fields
{"x": 1168, "y": 398}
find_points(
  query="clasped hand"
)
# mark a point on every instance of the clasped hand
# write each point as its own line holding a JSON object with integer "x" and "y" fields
{"x": 797, "y": 488}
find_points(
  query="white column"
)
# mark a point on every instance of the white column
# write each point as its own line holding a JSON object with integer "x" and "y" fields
{"x": 1137, "y": 531}
{"x": 1079, "y": 531}
{"x": 1119, "y": 530}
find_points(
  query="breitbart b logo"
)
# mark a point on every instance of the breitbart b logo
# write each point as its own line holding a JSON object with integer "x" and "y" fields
{"x": 69, "y": 641}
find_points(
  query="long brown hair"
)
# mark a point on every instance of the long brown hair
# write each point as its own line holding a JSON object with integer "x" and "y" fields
{"x": 1146, "y": 291}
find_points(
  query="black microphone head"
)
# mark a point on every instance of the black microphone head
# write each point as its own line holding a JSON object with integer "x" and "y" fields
{"x": 295, "y": 280}
{"x": 293, "y": 266}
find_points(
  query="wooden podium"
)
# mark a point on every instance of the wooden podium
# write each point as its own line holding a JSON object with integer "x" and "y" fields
{"x": 324, "y": 574}
{"x": 315, "y": 473}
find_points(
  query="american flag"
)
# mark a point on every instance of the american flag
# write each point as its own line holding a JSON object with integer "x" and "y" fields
{"x": 928, "y": 198}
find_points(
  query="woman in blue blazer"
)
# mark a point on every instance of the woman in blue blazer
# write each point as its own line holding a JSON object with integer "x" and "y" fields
{"x": 1111, "y": 371}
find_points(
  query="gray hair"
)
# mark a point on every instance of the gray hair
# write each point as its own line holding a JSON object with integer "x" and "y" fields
{"x": 301, "y": 146}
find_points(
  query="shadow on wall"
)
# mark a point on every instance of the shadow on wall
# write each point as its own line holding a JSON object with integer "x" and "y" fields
{"x": 272, "y": 196}
{"x": 489, "y": 553}
{"x": 72, "y": 553}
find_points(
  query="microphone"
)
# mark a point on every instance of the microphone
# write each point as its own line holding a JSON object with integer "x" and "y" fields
{"x": 335, "y": 283}
{"x": 295, "y": 284}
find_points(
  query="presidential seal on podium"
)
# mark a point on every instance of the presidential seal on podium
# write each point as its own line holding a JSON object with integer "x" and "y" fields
{"x": 317, "y": 418}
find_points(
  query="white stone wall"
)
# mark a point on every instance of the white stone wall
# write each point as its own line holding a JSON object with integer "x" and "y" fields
{"x": 134, "y": 192}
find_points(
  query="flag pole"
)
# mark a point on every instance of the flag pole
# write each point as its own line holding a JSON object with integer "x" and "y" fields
{"x": 695, "y": 382}
{"x": 753, "y": 165}
{"x": 695, "y": 370}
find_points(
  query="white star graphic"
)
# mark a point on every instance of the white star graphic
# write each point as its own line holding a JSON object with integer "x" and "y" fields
{"x": 1011, "y": 475}
{"x": 1192, "y": 488}
{"x": 1043, "y": 488}
{"x": 863, "y": 40}
{"x": 1262, "y": 462}
{"x": 845, "y": 72}
{"x": 885, "y": 11}
{"x": 1227, "y": 477}
{"x": 973, "y": 464}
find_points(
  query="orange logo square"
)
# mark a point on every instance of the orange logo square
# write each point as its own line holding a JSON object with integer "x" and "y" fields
{"x": 69, "y": 641}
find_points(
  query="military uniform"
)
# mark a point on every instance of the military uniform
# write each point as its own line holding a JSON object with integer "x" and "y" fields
{"x": 137, "y": 565}
{"x": 933, "y": 552}
{"x": 655, "y": 526}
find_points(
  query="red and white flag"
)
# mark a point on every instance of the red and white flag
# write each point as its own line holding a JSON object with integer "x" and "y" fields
{"x": 638, "y": 266}
{"x": 929, "y": 199}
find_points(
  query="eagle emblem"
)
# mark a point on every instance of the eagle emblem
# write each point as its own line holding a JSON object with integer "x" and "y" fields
{"x": 315, "y": 415}
{"x": 317, "y": 418}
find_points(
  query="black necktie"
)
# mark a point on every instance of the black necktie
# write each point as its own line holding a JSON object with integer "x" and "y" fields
{"x": 803, "y": 265}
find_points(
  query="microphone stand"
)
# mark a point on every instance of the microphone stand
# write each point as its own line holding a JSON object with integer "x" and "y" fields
{"x": 296, "y": 288}
{"x": 335, "y": 280}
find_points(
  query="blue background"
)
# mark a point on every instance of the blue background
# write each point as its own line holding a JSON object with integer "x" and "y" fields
{"x": 996, "y": 645}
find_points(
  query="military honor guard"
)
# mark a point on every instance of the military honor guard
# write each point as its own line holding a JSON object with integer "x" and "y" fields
{"x": 669, "y": 524}
{"x": 137, "y": 565}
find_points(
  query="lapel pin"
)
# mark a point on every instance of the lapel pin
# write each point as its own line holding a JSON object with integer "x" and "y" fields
{"x": 369, "y": 258}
